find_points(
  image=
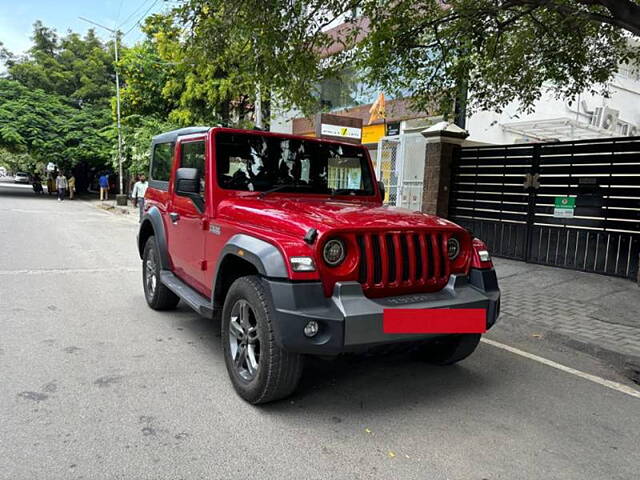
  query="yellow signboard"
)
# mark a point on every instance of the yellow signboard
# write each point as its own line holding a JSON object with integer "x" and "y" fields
{"x": 372, "y": 133}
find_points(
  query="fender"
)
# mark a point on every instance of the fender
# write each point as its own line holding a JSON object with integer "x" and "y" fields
{"x": 263, "y": 255}
{"x": 153, "y": 219}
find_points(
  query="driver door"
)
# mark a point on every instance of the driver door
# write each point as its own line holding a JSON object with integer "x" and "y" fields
{"x": 187, "y": 220}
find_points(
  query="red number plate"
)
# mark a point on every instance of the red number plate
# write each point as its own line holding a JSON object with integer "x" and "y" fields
{"x": 435, "y": 320}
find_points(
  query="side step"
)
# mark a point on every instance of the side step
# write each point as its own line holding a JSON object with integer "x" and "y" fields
{"x": 199, "y": 303}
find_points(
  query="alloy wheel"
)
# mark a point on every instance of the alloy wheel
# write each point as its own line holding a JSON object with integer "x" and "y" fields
{"x": 150, "y": 277}
{"x": 244, "y": 345}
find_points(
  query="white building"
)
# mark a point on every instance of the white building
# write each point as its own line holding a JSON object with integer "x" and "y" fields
{"x": 590, "y": 116}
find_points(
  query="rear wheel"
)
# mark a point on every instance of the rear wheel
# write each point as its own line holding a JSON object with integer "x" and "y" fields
{"x": 449, "y": 350}
{"x": 158, "y": 296}
{"x": 259, "y": 370}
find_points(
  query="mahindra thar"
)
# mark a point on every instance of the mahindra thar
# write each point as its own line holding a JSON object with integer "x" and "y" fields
{"x": 286, "y": 241}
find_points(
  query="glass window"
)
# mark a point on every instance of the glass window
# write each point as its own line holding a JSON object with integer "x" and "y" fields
{"x": 162, "y": 161}
{"x": 192, "y": 156}
{"x": 253, "y": 162}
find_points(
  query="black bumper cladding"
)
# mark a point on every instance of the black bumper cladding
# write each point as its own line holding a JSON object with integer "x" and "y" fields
{"x": 348, "y": 321}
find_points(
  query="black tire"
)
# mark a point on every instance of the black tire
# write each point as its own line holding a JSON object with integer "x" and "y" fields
{"x": 158, "y": 296}
{"x": 448, "y": 350}
{"x": 263, "y": 371}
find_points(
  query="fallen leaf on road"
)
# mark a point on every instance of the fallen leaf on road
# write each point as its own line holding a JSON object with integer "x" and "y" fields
{"x": 367, "y": 430}
{"x": 391, "y": 454}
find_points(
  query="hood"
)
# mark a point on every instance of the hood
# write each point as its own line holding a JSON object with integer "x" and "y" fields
{"x": 295, "y": 216}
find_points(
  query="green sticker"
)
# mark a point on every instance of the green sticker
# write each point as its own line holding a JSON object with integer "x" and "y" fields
{"x": 565, "y": 202}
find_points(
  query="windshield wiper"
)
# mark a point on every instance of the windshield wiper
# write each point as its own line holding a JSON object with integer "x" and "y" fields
{"x": 282, "y": 186}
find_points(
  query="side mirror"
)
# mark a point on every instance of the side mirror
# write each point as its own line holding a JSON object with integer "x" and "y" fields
{"x": 381, "y": 188}
{"x": 187, "y": 182}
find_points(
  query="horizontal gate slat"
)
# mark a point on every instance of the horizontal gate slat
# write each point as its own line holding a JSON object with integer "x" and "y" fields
{"x": 623, "y": 158}
{"x": 560, "y": 190}
{"x": 506, "y": 206}
{"x": 483, "y": 179}
{"x": 494, "y": 170}
{"x": 586, "y": 170}
{"x": 489, "y": 188}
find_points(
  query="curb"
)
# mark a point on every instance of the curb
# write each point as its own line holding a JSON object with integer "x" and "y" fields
{"x": 627, "y": 364}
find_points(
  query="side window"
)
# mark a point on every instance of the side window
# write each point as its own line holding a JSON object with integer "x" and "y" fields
{"x": 192, "y": 156}
{"x": 161, "y": 162}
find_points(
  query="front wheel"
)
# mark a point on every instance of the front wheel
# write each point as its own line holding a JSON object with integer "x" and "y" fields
{"x": 448, "y": 350}
{"x": 259, "y": 370}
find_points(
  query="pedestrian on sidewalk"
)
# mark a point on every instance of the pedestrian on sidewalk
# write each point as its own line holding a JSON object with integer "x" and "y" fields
{"x": 134, "y": 195}
{"x": 103, "y": 181}
{"x": 61, "y": 185}
{"x": 139, "y": 189}
{"x": 72, "y": 186}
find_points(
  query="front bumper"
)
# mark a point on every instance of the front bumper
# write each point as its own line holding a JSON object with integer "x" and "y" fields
{"x": 351, "y": 322}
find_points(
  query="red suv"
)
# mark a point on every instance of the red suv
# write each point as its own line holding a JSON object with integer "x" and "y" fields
{"x": 286, "y": 241}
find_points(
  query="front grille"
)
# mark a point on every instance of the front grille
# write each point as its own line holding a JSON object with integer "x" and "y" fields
{"x": 407, "y": 261}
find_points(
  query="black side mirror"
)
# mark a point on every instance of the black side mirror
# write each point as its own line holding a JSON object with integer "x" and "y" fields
{"x": 187, "y": 182}
{"x": 381, "y": 188}
{"x": 188, "y": 185}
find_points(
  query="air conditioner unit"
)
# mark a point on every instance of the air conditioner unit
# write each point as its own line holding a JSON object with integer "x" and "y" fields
{"x": 605, "y": 118}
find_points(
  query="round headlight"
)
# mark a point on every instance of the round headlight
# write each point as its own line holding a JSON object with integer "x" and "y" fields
{"x": 334, "y": 252}
{"x": 453, "y": 248}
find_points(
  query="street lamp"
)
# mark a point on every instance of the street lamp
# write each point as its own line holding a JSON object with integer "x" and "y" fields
{"x": 115, "y": 36}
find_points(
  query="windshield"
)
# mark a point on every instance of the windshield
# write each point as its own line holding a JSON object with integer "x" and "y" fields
{"x": 251, "y": 162}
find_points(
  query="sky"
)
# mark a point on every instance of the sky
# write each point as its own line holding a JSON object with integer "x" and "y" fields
{"x": 17, "y": 18}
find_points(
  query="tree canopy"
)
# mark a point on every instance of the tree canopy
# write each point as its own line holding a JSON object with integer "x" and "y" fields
{"x": 502, "y": 50}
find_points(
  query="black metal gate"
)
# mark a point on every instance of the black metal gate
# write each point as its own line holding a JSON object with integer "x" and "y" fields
{"x": 507, "y": 196}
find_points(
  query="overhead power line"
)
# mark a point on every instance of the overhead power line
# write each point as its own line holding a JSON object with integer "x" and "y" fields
{"x": 142, "y": 17}
{"x": 134, "y": 12}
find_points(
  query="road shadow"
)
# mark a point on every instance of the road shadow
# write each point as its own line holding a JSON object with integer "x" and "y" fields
{"x": 354, "y": 383}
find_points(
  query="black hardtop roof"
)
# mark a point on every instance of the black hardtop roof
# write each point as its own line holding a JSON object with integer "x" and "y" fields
{"x": 173, "y": 135}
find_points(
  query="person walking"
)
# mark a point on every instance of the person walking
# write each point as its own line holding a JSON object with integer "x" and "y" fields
{"x": 134, "y": 197}
{"x": 139, "y": 189}
{"x": 103, "y": 181}
{"x": 61, "y": 185}
{"x": 72, "y": 186}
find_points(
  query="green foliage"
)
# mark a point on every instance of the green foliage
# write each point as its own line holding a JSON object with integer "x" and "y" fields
{"x": 187, "y": 86}
{"x": 43, "y": 127}
{"x": 79, "y": 69}
{"x": 137, "y": 133}
{"x": 19, "y": 162}
{"x": 503, "y": 51}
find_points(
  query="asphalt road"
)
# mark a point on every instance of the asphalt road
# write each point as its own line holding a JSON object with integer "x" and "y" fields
{"x": 96, "y": 385}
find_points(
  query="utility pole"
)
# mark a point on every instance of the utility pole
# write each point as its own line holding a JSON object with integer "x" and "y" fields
{"x": 115, "y": 34}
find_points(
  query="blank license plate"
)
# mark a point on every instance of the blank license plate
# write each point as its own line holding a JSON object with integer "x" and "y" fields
{"x": 435, "y": 320}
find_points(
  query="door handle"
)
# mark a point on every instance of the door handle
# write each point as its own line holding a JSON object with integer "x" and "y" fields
{"x": 174, "y": 217}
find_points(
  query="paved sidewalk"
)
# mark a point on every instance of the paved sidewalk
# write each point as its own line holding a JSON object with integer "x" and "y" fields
{"x": 593, "y": 313}
{"x": 110, "y": 206}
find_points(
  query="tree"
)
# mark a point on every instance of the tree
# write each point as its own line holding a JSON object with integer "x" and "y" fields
{"x": 503, "y": 50}
{"x": 165, "y": 79}
{"x": 46, "y": 129}
{"x": 79, "y": 69}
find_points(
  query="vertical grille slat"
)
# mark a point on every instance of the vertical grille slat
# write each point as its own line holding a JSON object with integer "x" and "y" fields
{"x": 436, "y": 258}
{"x": 425, "y": 258}
{"x": 384, "y": 256}
{"x": 445, "y": 255}
{"x": 369, "y": 259}
{"x": 402, "y": 261}
{"x": 398, "y": 257}
{"x": 413, "y": 258}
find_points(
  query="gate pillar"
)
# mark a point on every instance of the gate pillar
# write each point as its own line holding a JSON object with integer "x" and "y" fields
{"x": 443, "y": 142}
